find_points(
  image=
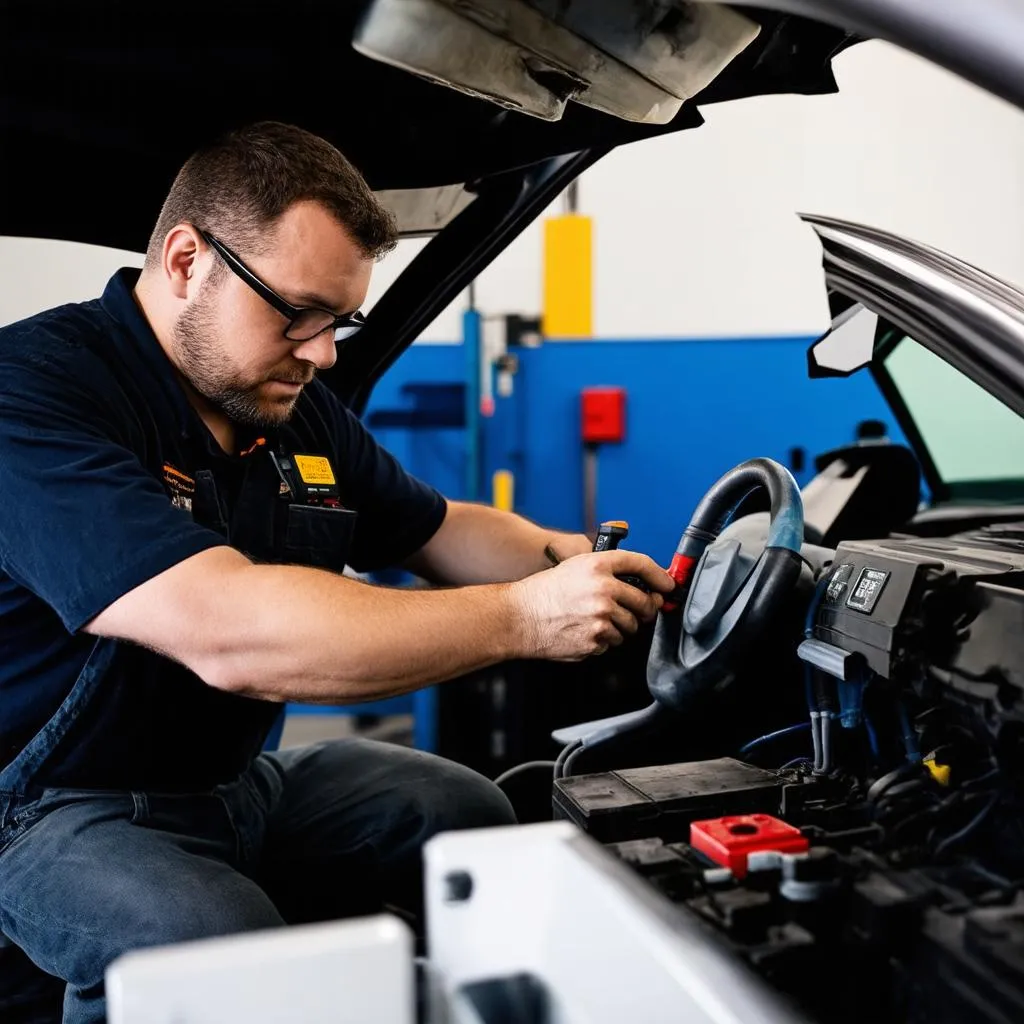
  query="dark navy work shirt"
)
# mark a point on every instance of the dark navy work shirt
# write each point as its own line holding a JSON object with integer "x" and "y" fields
{"x": 99, "y": 454}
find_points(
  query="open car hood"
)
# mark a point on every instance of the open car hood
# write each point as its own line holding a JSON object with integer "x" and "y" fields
{"x": 101, "y": 110}
{"x": 468, "y": 116}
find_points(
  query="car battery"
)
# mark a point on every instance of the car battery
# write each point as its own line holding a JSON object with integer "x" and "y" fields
{"x": 663, "y": 800}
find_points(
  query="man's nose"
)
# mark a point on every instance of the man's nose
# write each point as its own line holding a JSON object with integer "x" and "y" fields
{"x": 321, "y": 351}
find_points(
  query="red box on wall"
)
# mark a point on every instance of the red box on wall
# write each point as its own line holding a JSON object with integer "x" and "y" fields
{"x": 604, "y": 415}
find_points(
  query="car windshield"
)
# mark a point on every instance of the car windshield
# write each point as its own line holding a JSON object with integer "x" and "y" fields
{"x": 970, "y": 435}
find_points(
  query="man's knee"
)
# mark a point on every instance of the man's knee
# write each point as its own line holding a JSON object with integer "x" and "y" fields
{"x": 452, "y": 796}
{"x": 82, "y": 958}
{"x": 391, "y": 789}
{"x": 365, "y": 798}
{"x": 205, "y": 915}
{"x": 81, "y": 952}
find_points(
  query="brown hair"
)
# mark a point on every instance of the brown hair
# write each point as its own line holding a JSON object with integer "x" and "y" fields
{"x": 244, "y": 181}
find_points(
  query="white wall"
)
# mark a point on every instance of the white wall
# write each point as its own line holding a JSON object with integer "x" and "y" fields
{"x": 37, "y": 273}
{"x": 708, "y": 242}
{"x": 696, "y": 233}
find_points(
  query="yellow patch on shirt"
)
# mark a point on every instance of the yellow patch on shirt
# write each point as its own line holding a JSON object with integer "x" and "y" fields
{"x": 315, "y": 469}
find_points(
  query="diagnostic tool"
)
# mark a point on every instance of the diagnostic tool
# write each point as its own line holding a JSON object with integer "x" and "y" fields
{"x": 609, "y": 536}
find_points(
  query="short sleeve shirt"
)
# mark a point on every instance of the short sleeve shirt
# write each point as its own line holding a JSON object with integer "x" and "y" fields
{"x": 100, "y": 451}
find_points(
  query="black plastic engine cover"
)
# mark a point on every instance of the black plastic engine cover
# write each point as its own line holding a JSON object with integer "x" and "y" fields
{"x": 908, "y": 606}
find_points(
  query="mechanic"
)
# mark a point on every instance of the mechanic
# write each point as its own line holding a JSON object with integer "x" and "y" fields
{"x": 180, "y": 498}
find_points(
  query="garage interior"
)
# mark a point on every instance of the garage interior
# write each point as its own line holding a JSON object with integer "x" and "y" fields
{"x": 656, "y": 321}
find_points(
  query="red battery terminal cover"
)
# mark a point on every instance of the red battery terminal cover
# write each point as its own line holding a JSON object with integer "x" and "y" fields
{"x": 729, "y": 841}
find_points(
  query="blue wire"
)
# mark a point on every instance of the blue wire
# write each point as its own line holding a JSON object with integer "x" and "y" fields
{"x": 820, "y": 589}
{"x": 872, "y": 737}
{"x": 815, "y": 603}
{"x": 778, "y": 734}
{"x": 812, "y": 611}
{"x": 909, "y": 736}
{"x": 973, "y": 824}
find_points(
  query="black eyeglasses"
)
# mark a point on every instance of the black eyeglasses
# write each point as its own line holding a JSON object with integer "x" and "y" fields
{"x": 304, "y": 322}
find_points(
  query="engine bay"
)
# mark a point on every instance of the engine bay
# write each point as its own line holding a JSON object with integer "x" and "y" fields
{"x": 868, "y": 862}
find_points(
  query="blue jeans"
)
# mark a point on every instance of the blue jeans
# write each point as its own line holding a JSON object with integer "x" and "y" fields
{"x": 306, "y": 834}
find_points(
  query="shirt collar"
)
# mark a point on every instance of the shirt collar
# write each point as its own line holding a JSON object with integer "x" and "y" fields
{"x": 119, "y": 302}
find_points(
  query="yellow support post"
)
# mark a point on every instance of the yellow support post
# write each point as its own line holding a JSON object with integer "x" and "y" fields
{"x": 503, "y": 489}
{"x": 568, "y": 277}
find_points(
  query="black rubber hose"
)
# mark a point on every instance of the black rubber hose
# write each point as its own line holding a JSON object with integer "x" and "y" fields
{"x": 519, "y": 769}
{"x": 567, "y": 750}
{"x": 680, "y": 672}
{"x": 643, "y": 719}
{"x": 726, "y": 494}
{"x": 717, "y": 507}
{"x": 570, "y": 762}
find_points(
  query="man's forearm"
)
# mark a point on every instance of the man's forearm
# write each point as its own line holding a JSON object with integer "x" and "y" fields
{"x": 355, "y": 642}
{"x": 292, "y": 633}
{"x": 480, "y": 544}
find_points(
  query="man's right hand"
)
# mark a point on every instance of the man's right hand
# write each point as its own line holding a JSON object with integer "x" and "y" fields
{"x": 579, "y": 608}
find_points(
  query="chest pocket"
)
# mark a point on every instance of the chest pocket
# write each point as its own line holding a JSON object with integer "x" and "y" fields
{"x": 207, "y": 509}
{"x": 318, "y": 537}
{"x": 251, "y": 513}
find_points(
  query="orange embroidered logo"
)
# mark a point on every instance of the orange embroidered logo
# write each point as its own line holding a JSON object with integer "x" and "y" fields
{"x": 259, "y": 443}
{"x": 180, "y": 486}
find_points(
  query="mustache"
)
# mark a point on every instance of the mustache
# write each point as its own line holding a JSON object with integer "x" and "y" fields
{"x": 298, "y": 375}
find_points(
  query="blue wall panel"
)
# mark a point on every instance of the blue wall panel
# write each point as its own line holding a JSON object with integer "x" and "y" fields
{"x": 695, "y": 409}
{"x": 436, "y": 455}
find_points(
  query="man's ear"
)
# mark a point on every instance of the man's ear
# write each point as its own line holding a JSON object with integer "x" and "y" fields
{"x": 182, "y": 246}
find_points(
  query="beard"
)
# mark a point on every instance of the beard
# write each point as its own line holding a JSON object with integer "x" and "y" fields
{"x": 208, "y": 369}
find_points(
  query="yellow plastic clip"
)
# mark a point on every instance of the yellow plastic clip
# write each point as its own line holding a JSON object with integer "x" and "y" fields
{"x": 940, "y": 772}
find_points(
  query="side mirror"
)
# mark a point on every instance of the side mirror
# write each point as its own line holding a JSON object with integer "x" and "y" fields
{"x": 847, "y": 346}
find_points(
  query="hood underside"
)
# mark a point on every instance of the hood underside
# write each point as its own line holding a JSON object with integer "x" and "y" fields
{"x": 100, "y": 107}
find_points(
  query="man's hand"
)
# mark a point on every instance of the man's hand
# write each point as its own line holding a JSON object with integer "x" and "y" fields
{"x": 579, "y": 608}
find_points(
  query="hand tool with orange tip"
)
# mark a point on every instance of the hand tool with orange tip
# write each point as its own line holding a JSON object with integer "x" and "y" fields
{"x": 609, "y": 536}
